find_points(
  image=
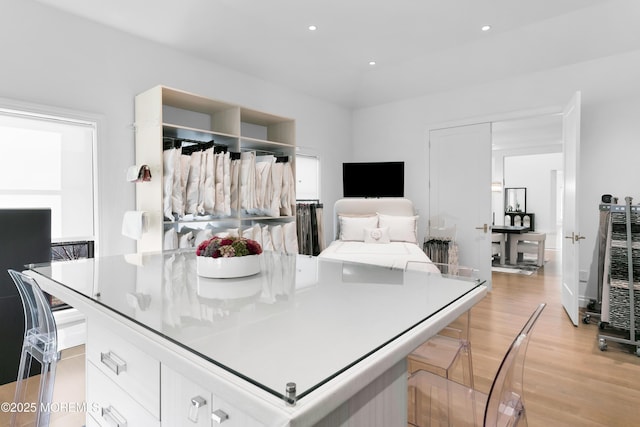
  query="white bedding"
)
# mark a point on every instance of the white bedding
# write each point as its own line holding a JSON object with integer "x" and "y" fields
{"x": 394, "y": 254}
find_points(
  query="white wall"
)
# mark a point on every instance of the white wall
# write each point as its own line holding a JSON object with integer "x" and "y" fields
{"x": 609, "y": 165}
{"x": 610, "y": 129}
{"x": 56, "y": 59}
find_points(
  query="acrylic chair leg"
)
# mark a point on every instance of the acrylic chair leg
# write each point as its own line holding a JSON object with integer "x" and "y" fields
{"x": 24, "y": 370}
{"x": 23, "y": 375}
{"x": 45, "y": 394}
{"x": 467, "y": 368}
{"x": 467, "y": 365}
{"x": 412, "y": 410}
{"x": 424, "y": 412}
{"x": 468, "y": 377}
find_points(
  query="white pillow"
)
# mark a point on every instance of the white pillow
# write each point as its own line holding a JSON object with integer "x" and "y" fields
{"x": 376, "y": 235}
{"x": 352, "y": 227}
{"x": 401, "y": 228}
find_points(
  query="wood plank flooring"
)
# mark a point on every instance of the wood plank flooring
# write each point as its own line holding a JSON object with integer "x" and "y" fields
{"x": 568, "y": 380}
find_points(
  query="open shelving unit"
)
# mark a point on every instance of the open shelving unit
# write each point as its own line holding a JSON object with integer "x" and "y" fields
{"x": 162, "y": 112}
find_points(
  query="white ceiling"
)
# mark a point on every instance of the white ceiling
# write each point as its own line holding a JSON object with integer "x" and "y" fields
{"x": 420, "y": 46}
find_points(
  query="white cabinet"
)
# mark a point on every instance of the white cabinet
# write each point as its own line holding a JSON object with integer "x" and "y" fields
{"x": 129, "y": 386}
{"x": 115, "y": 406}
{"x": 163, "y": 115}
{"x": 125, "y": 365}
{"x": 186, "y": 403}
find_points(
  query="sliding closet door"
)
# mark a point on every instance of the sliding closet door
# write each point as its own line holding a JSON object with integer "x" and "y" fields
{"x": 460, "y": 191}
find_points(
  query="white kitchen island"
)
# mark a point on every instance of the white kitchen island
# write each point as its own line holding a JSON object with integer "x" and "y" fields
{"x": 167, "y": 347}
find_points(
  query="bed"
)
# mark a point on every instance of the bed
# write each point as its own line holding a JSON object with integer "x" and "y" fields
{"x": 377, "y": 231}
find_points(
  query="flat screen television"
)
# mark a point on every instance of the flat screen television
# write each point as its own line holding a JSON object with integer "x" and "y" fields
{"x": 373, "y": 179}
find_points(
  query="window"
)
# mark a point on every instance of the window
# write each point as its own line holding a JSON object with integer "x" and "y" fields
{"x": 47, "y": 161}
{"x": 307, "y": 177}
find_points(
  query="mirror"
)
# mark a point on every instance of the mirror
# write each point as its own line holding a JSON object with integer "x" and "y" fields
{"x": 515, "y": 199}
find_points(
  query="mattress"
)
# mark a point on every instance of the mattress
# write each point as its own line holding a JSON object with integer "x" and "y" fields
{"x": 394, "y": 254}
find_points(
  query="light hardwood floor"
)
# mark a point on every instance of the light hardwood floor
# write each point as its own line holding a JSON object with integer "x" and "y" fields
{"x": 568, "y": 380}
{"x": 69, "y": 389}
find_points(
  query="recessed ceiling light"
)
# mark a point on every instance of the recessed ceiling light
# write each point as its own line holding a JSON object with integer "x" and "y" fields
{"x": 486, "y": 27}
{"x": 372, "y": 62}
{"x": 312, "y": 28}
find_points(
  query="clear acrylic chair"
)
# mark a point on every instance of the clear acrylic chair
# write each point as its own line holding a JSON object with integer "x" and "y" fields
{"x": 448, "y": 353}
{"x": 436, "y": 401}
{"x": 40, "y": 343}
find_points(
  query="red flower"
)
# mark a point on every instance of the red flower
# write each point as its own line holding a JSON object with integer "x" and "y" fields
{"x": 254, "y": 247}
{"x": 202, "y": 246}
{"x": 217, "y": 247}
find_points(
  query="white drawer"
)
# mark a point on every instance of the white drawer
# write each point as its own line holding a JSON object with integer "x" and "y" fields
{"x": 133, "y": 370}
{"x": 177, "y": 406}
{"x": 179, "y": 395}
{"x": 114, "y": 407}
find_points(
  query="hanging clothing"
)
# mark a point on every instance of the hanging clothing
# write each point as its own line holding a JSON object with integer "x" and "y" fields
{"x": 310, "y": 230}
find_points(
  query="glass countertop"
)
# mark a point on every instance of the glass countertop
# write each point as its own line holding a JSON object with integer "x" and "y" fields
{"x": 301, "y": 320}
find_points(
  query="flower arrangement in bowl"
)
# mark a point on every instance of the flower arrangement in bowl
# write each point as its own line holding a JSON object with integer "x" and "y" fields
{"x": 228, "y": 257}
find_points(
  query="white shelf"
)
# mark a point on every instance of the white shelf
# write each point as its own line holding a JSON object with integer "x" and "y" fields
{"x": 165, "y": 112}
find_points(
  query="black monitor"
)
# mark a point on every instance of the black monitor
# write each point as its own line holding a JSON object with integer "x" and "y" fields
{"x": 373, "y": 179}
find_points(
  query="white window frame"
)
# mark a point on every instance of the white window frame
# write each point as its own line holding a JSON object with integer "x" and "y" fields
{"x": 49, "y": 113}
{"x": 318, "y": 181}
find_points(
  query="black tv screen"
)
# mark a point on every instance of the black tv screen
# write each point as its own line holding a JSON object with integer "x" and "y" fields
{"x": 373, "y": 179}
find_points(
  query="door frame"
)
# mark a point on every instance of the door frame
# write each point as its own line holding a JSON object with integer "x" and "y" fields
{"x": 496, "y": 117}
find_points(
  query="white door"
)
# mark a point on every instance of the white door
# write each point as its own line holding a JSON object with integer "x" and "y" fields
{"x": 570, "y": 225}
{"x": 460, "y": 191}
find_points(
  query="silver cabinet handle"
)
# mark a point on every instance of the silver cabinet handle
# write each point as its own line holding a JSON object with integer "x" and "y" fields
{"x": 113, "y": 362}
{"x": 219, "y": 416}
{"x": 112, "y": 417}
{"x": 196, "y": 403}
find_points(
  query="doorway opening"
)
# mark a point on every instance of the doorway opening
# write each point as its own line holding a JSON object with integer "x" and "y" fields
{"x": 528, "y": 153}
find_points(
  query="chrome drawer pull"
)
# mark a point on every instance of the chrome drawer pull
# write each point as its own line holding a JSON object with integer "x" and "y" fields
{"x": 112, "y": 417}
{"x": 196, "y": 403}
{"x": 219, "y": 416}
{"x": 113, "y": 362}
